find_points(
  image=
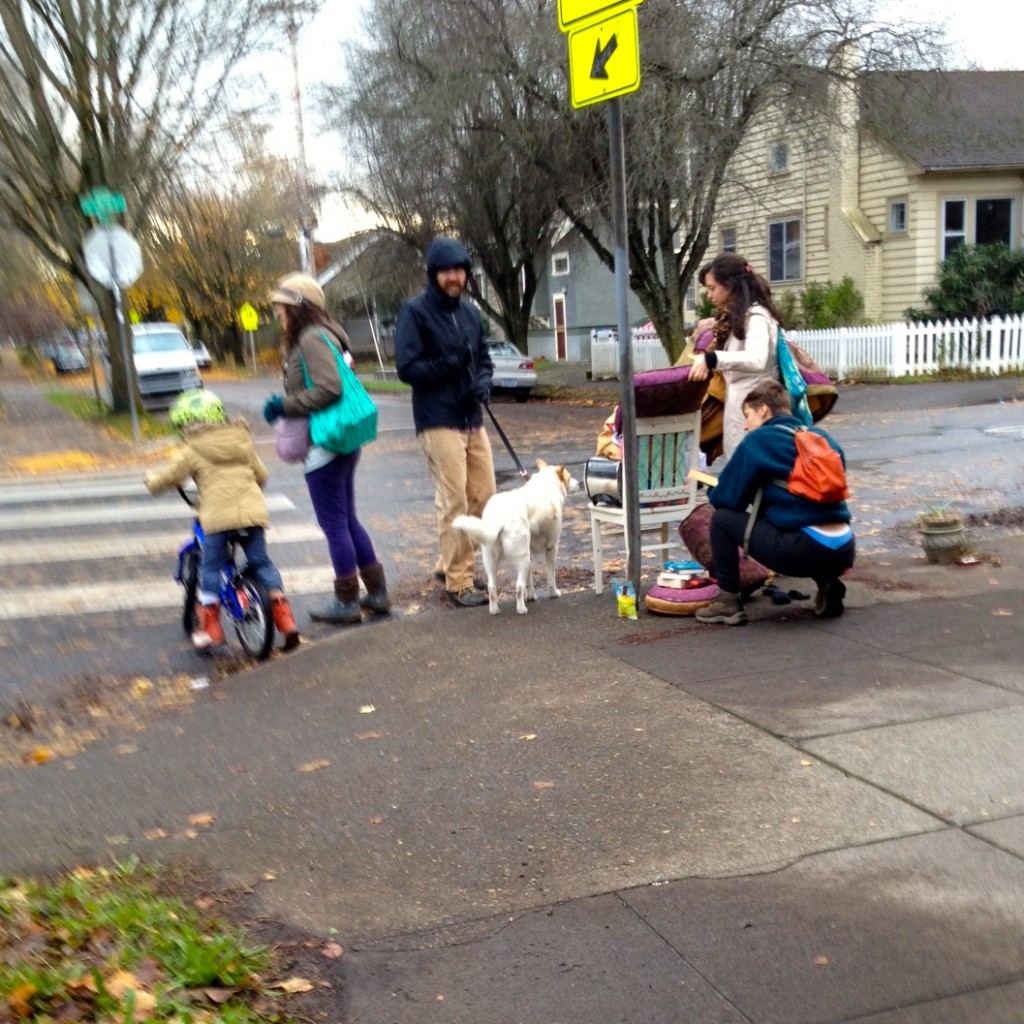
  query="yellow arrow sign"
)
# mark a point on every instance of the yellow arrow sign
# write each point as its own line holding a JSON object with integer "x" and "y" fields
{"x": 572, "y": 11}
{"x": 604, "y": 59}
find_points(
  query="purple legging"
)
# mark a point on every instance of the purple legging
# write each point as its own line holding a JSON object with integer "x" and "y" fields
{"x": 332, "y": 489}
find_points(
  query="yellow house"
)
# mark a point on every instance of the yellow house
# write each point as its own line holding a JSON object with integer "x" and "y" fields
{"x": 904, "y": 168}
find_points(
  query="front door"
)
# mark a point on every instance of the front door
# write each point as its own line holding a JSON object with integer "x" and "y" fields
{"x": 560, "y": 340}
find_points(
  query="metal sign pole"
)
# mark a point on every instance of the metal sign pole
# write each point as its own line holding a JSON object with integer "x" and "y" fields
{"x": 631, "y": 481}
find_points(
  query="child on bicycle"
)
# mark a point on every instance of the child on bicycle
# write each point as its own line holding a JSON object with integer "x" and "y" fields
{"x": 220, "y": 457}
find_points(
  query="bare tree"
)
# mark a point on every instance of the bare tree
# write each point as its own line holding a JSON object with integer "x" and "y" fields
{"x": 444, "y": 112}
{"x": 106, "y": 93}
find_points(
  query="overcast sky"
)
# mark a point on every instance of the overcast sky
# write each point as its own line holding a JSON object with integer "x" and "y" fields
{"x": 984, "y": 33}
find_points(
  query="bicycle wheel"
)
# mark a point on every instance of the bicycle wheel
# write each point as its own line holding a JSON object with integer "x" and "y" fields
{"x": 190, "y": 581}
{"x": 255, "y": 629}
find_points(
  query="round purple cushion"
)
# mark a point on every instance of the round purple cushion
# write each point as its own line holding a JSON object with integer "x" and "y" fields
{"x": 673, "y": 601}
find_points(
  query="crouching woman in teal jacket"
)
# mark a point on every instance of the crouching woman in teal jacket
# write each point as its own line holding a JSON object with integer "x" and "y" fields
{"x": 791, "y": 535}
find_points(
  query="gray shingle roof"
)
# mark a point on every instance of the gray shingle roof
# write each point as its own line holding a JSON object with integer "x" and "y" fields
{"x": 948, "y": 120}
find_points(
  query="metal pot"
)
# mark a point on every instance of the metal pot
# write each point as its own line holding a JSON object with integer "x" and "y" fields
{"x": 603, "y": 480}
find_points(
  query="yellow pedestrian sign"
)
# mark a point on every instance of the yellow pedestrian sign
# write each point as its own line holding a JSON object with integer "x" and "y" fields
{"x": 249, "y": 317}
{"x": 604, "y": 58}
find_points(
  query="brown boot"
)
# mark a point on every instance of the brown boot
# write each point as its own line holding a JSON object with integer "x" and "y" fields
{"x": 208, "y": 632}
{"x": 285, "y": 622}
{"x": 376, "y": 597}
{"x": 345, "y": 606}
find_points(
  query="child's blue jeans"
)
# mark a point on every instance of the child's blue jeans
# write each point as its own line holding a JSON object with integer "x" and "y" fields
{"x": 254, "y": 543}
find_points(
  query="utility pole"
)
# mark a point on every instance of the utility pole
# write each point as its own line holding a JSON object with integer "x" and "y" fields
{"x": 306, "y": 224}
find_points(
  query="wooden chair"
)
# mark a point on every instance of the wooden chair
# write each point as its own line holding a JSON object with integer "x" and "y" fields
{"x": 668, "y": 446}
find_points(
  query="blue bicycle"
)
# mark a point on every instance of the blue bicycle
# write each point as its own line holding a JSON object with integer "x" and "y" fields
{"x": 241, "y": 595}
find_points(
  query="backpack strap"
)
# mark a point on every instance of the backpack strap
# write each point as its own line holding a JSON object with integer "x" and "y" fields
{"x": 756, "y": 504}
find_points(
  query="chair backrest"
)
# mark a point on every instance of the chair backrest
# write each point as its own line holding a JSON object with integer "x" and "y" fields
{"x": 667, "y": 448}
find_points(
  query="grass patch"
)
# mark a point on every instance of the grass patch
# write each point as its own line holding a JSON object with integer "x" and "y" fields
{"x": 115, "y": 945}
{"x": 84, "y": 406}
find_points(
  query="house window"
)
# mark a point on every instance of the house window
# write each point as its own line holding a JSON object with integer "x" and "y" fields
{"x": 690, "y": 302}
{"x": 954, "y": 225}
{"x": 728, "y": 239}
{"x": 778, "y": 158}
{"x": 560, "y": 264}
{"x": 898, "y": 217}
{"x": 993, "y": 221}
{"x": 785, "y": 245}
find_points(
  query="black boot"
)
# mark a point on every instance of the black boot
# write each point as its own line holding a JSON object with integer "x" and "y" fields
{"x": 345, "y": 606}
{"x": 376, "y": 597}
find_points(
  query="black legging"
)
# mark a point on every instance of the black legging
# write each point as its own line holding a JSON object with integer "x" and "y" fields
{"x": 789, "y": 552}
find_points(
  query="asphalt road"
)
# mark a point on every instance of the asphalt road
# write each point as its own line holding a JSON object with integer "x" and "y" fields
{"x": 96, "y": 612}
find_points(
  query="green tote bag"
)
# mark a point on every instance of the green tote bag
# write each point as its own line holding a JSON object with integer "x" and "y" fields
{"x": 351, "y": 421}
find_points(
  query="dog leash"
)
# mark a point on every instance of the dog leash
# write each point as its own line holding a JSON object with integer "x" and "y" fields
{"x": 508, "y": 445}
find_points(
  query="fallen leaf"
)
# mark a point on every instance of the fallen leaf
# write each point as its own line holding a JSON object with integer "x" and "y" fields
{"x": 528, "y": 736}
{"x": 366, "y": 709}
{"x": 805, "y": 763}
{"x": 368, "y": 736}
{"x": 120, "y": 983}
{"x": 219, "y": 995}
{"x": 140, "y": 687}
{"x": 376, "y": 821}
{"x": 821, "y": 961}
{"x": 206, "y": 818}
{"x": 292, "y": 985}
{"x": 203, "y": 902}
{"x": 154, "y": 833}
{"x": 543, "y": 785}
{"x": 40, "y": 755}
{"x": 331, "y": 950}
{"x": 18, "y": 999}
{"x": 1002, "y": 613}
{"x": 314, "y": 766}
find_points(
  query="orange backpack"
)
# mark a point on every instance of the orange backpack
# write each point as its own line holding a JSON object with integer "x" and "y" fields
{"x": 818, "y": 473}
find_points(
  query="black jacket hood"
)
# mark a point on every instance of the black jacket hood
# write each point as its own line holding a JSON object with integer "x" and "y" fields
{"x": 444, "y": 253}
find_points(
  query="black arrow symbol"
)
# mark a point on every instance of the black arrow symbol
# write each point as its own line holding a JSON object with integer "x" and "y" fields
{"x": 602, "y": 56}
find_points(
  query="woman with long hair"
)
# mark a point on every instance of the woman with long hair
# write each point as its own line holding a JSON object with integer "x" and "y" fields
{"x": 745, "y": 336}
{"x": 312, "y": 381}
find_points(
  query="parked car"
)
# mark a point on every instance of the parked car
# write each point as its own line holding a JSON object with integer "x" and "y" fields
{"x": 202, "y": 354}
{"x": 513, "y": 372}
{"x": 68, "y": 358}
{"x": 164, "y": 363}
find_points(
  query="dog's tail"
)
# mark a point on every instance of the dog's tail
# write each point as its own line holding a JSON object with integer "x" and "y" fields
{"x": 475, "y": 528}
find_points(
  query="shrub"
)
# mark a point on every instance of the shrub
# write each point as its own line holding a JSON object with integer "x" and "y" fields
{"x": 975, "y": 282}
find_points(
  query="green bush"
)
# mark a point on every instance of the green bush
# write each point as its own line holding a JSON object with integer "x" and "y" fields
{"x": 975, "y": 281}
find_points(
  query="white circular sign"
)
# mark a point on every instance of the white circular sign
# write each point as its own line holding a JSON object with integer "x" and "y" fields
{"x": 112, "y": 256}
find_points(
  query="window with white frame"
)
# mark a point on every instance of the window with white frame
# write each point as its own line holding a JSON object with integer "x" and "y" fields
{"x": 954, "y": 225}
{"x": 778, "y": 158}
{"x": 559, "y": 264}
{"x": 690, "y": 302}
{"x": 898, "y": 217}
{"x": 728, "y": 239}
{"x": 978, "y": 222}
{"x": 785, "y": 250}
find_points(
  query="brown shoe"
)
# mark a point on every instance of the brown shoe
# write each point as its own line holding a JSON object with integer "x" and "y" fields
{"x": 208, "y": 632}
{"x": 285, "y": 622}
{"x": 726, "y": 609}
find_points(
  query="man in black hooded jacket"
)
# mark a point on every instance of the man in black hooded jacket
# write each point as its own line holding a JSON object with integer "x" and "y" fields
{"x": 440, "y": 352}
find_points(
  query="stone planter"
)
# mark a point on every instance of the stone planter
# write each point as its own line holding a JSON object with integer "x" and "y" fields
{"x": 943, "y": 538}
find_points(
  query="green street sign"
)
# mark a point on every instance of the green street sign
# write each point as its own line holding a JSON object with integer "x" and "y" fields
{"x": 102, "y": 204}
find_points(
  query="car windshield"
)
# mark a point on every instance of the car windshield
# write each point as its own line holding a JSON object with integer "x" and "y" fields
{"x": 503, "y": 348}
{"x": 168, "y": 342}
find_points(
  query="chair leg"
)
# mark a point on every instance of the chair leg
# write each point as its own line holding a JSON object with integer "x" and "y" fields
{"x": 595, "y": 543}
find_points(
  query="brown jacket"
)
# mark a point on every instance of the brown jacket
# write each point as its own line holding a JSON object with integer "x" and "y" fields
{"x": 222, "y": 461}
{"x": 301, "y": 399}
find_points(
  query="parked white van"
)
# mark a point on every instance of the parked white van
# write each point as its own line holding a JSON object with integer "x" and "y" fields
{"x": 165, "y": 364}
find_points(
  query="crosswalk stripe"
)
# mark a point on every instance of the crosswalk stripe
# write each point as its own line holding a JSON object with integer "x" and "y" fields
{"x": 87, "y": 515}
{"x": 132, "y": 545}
{"x": 131, "y": 595}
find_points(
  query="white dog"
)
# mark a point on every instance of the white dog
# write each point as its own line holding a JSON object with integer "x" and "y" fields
{"x": 517, "y": 524}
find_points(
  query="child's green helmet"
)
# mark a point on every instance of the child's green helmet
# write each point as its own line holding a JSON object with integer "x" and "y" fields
{"x": 198, "y": 406}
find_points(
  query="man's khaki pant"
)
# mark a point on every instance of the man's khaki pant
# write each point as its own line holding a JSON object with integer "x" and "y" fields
{"x": 463, "y": 472}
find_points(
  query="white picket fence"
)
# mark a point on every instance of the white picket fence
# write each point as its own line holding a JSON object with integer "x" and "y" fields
{"x": 875, "y": 350}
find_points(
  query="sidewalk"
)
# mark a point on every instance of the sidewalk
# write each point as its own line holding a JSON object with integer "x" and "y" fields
{"x": 568, "y": 817}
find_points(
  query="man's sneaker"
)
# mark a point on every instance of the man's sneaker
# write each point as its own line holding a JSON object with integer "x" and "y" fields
{"x": 828, "y": 602}
{"x": 725, "y": 608}
{"x": 468, "y": 597}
